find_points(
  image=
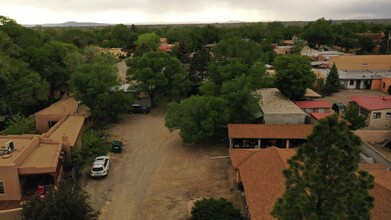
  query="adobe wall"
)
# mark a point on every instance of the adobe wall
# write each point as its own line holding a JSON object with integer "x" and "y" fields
{"x": 10, "y": 178}
{"x": 373, "y": 135}
{"x": 380, "y": 123}
{"x": 42, "y": 121}
{"x": 362, "y": 62}
{"x": 385, "y": 84}
{"x": 11, "y": 214}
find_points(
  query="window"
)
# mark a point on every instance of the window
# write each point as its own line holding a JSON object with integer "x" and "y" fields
{"x": 384, "y": 85}
{"x": 1, "y": 187}
{"x": 351, "y": 82}
{"x": 376, "y": 115}
{"x": 388, "y": 115}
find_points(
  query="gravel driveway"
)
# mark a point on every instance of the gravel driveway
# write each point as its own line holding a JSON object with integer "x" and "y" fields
{"x": 157, "y": 176}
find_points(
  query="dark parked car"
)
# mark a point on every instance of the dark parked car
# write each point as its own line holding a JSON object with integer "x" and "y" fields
{"x": 137, "y": 108}
{"x": 116, "y": 146}
{"x": 337, "y": 107}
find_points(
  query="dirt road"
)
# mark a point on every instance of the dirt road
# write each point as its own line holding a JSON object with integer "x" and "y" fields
{"x": 157, "y": 176}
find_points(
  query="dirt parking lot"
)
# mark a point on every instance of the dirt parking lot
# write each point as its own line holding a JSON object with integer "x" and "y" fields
{"x": 157, "y": 176}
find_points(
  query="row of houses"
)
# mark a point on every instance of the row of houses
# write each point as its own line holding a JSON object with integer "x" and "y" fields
{"x": 38, "y": 159}
{"x": 259, "y": 152}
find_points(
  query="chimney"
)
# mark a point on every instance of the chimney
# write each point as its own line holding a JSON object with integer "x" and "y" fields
{"x": 65, "y": 138}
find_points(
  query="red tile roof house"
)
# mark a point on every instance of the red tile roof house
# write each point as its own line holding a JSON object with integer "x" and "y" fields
{"x": 259, "y": 172}
{"x": 317, "y": 106}
{"x": 377, "y": 109}
{"x": 265, "y": 135}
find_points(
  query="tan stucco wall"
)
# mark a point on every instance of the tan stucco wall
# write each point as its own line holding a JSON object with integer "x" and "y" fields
{"x": 11, "y": 214}
{"x": 10, "y": 178}
{"x": 373, "y": 135}
{"x": 42, "y": 121}
{"x": 380, "y": 123}
{"x": 355, "y": 62}
{"x": 385, "y": 83}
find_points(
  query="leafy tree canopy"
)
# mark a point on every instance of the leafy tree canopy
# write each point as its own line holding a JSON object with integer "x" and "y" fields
{"x": 351, "y": 113}
{"x": 69, "y": 201}
{"x": 197, "y": 118}
{"x": 19, "y": 124}
{"x": 94, "y": 87}
{"x": 210, "y": 208}
{"x": 294, "y": 75}
{"x": 333, "y": 83}
{"x": 318, "y": 33}
{"x": 151, "y": 40}
{"x": 246, "y": 51}
{"x": 323, "y": 180}
{"x": 20, "y": 87}
{"x": 159, "y": 74}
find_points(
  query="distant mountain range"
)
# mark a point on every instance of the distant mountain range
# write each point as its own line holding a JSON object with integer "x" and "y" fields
{"x": 299, "y": 23}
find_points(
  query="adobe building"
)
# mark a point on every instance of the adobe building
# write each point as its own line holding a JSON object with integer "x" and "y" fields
{"x": 361, "y": 62}
{"x": 278, "y": 109}
{"x": 48, "y": 117}
{"x": 34, "y": 160}
{"x": 38, "y": 160}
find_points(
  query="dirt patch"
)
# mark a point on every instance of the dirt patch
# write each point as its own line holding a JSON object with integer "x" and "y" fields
{"x": 122, "y": 68}
{"x": 157, "y": 174}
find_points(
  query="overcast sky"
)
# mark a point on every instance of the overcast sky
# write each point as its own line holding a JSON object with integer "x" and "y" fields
{"x": 174, "y": 11}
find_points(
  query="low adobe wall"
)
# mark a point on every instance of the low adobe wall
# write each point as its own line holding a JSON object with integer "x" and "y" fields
{"x": 373, "y": 135}
{"x": 11, "y": 214}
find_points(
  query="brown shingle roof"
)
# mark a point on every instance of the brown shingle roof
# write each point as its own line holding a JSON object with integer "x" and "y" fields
{"x": 262, "y": 178}
{"x": 263, "y": 182}
{"x": 288, "y": 131}
{"x": 382, "y": 190}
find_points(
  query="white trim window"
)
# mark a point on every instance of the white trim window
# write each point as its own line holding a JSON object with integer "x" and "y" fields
{"x": 388, "y": 115}
{"x": 376, "y": 115}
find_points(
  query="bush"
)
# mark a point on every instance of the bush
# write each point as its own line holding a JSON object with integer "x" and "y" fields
{"x": 70, "y": 201}
{"x": 91, "y": 147}
{"x": 210, "y": 208}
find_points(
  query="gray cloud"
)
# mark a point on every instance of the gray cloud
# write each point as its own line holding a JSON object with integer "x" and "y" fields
{"x": 267, "y": 9}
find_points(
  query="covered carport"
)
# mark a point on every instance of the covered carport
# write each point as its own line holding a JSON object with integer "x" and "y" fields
{"x": 265, "y": 135}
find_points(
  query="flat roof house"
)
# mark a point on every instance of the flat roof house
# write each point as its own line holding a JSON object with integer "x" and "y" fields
{"x": 38, "y": 160}
{"x": 35, "y": 160}
{"x": 361, "y": 62}
{"x": 377, "y": 109}
{"x": 48, "y": 117}
{"x": 278, "y": 109}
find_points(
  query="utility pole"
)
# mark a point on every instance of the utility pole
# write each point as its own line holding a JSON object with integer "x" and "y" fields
{"x": 388, "y": 41}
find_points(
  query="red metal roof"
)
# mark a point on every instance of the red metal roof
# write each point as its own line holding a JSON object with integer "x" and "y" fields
{"x": 373, "y": 102}
{"x": 319, "y": 116}
{"x": 266, "y": 131}
{"x": 166, "y": 47}
{"x": 313, "y": 104}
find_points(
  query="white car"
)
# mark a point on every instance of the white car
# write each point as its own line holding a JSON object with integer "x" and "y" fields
{"x": 101, "y": 166}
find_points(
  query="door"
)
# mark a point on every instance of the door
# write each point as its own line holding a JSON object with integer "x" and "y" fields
{"x": 358, "y": 84}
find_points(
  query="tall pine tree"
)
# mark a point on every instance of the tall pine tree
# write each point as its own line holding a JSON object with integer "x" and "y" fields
{"x": 332, "y": 81}
{"x": 323, "y": 180}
